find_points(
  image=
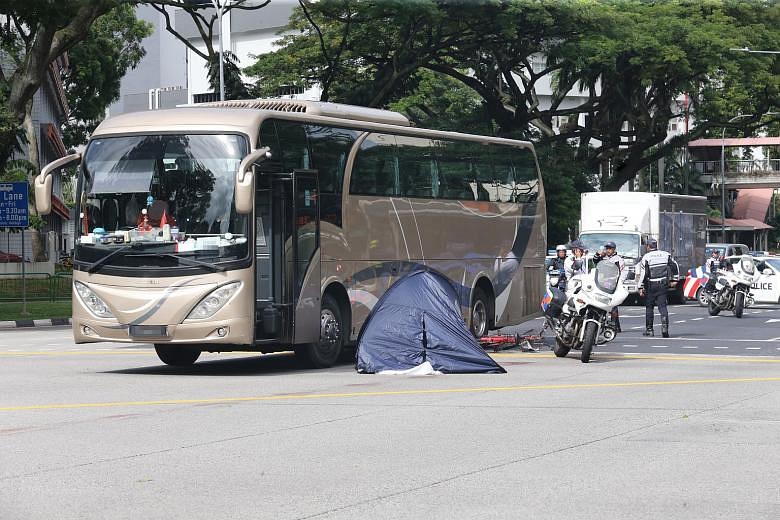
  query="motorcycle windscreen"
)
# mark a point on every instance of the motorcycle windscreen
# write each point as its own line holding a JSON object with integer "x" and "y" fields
{"x": 607, "y": 277}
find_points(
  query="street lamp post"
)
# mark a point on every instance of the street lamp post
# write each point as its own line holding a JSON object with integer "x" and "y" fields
{"x": 219, "y": 9}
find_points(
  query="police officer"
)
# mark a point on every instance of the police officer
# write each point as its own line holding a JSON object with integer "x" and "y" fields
{"x": 656, "y": 270}
{"x": 559, "y": 264}
{"x": 713, "y": 263}
{"x": 610, "y": 254}
{"x": 576, "y": 265}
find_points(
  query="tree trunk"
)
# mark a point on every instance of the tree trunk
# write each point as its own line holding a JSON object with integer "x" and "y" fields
{"x": 38, "y": 243}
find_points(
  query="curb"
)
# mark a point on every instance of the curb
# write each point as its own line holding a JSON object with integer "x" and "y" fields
{"x": 18, "y": 324}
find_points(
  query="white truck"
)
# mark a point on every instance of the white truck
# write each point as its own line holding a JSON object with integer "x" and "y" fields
{"x": 629, "y": 218}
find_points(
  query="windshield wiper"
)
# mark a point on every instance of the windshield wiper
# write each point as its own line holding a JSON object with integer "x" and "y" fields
{"x": 183, "y": 260}
{"x": 101, "y": 262}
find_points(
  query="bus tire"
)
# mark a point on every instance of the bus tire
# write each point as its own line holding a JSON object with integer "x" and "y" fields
{"x": 327, "y": 350}
{"x": 177, "y": 355}
{"x": 479, "y": 316}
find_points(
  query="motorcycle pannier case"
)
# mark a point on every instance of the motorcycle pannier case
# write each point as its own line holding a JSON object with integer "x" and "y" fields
{"x": 553, "y": 301}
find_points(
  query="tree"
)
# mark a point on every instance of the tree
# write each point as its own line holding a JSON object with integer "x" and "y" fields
{"x": 631, "y": 60}
{"x": 97, "y": 65}
{"x": 33, "y": 34}
{"x": 204, "y": 17}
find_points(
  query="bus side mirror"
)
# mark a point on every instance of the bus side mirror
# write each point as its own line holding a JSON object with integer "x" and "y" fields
{"x": 244, "y": 190}
{"x": 43, "y": 182}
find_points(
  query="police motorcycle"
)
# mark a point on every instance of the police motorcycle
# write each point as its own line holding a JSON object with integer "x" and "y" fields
{"x": 732, "y": 287}
{"x": 580, "y": 318}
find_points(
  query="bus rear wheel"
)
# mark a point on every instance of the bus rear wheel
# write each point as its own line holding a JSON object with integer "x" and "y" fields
{"x": 326, "y": 351}
{"x": 480, "y": 314}
{"x": 177, "y": 355}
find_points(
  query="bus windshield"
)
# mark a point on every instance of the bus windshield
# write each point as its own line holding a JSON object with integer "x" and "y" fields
{"x": 160, "y": 201}
{"x": 628, "y": 245}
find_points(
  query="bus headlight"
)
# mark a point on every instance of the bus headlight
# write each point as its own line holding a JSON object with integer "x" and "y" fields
{"x": 92, "y": 301}
{"x": 214, "y": 301}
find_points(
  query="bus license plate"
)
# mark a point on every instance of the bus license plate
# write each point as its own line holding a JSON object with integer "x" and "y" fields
{"x": 149, "y": 331}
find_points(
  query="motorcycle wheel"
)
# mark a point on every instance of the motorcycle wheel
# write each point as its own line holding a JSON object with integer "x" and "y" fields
{"x": 588, "y": 340}
{"x": 560, "y": 349}
{"x": 702, "y": 297}
{"x": 739, "y": 304}
{"x": 713, "y": 308}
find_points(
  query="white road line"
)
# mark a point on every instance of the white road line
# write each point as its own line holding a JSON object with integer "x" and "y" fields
{"x": 690, "y": 347}
{"x": 719, "y": 347}
{"x": 14, "y": 350}
{"x": 632, "y": 346}
{"x": 696, "y": 319}
{"x": 659, "y": 346}
{"x": 752, "y": 348}
{"x": 73, "y": 349}
{"x": 775, "y": 339}
{"x": 681, "y": 321}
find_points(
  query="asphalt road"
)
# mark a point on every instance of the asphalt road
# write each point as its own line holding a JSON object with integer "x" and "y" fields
{"x": 694, "y": 331}
{"x": 106, "y": 431}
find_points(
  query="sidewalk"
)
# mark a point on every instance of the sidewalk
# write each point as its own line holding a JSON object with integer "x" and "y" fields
{"x": 51, "y": 322}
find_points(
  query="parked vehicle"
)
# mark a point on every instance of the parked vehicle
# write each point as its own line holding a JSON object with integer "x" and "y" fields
{"x": 725, "y": 250}
{"x": 629, "y": 218}
{"x": 9, "y": 258}
{"x": 766, "y": 287}
{"x": 732, "y": 288}
{"x": 580, "y": 318}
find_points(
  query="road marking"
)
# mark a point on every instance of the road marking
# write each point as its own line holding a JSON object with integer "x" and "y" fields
{"x": 630, "y": 346}
{"x": 690, "y": 347}
{"x": 640, "y": 338}
{"x": 752, "y": 348}
{"x": 14, "y": 350}
{"x": 659, "y": 346}
{"x": 712, "y": 317}
{"x": 719, "y": 347}
{"x": 634, "y": 328}
{"x": 667, "y": 357}
{"x": 681, "y": 321}
{"x": 696, "y": 319}
{"x": 292, "y": 397}
{"x": 773, "y": 320}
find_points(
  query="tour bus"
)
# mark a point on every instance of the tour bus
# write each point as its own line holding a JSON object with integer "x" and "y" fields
{"x": 273, "y": 225}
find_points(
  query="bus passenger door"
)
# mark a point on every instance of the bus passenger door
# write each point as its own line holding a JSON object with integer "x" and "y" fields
{"x": 304, "y": 263}
{"x": 287, "y": 225}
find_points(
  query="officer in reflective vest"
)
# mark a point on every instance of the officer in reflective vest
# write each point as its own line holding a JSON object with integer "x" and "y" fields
{"x": 656, "y": 270}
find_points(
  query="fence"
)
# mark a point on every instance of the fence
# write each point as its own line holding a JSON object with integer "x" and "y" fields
{"x": 38, "y": 287}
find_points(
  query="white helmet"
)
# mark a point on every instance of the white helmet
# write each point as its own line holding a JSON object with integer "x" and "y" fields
{"x": 560, "y": 247}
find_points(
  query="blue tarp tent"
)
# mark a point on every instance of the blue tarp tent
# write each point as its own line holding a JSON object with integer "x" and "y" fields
{"x": 417, "y": 320}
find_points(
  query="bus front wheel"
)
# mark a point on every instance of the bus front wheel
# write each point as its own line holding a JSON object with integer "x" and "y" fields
{"x": 326, "y": 351}
{"x": 177, "y": 355}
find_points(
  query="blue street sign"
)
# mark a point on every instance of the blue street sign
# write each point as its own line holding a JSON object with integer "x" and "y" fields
{"x": 13, "y": 205}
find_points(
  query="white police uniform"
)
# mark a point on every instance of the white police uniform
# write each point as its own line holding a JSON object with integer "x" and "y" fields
{"x": 656, "y": 268}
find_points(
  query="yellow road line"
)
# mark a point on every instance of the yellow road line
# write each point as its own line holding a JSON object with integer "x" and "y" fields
{"x": 101, "y": 353}
{"x": 288, "y": 397}
{"x": 703, "y": 357}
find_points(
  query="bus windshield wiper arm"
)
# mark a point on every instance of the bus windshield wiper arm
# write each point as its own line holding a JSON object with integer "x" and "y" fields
{"x": 101, "y": 262}
{"x": 183, "y": 260}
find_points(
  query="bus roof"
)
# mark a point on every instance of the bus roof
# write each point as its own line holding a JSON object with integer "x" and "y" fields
{"x": 245, "y": 116}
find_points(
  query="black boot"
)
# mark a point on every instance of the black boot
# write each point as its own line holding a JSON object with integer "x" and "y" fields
{"x": 665, "y": 327}
{"x": 648, "y": 332}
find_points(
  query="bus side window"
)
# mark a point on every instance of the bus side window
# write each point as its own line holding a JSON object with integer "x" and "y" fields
{"x": 376, "y": 170}
{"x": 417, "y": 176}
{"x": 269, "y": 138}
{"x": 526, "y": 188}
{"x": 330, "y": 148}
{"x": 504, "y": 173}
{"x": 455, "y": 174}
{"x": 295, "y": 150}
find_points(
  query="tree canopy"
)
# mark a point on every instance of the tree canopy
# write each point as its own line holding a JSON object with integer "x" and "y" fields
{"x": 628, "y": 63}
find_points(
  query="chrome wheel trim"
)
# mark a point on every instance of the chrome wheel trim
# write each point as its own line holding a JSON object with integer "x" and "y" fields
{"x": 479, "y": 318}
{"x": 330, "y": 332}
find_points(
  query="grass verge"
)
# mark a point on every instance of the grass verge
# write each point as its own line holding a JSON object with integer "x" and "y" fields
{"x": 36, "y": 310}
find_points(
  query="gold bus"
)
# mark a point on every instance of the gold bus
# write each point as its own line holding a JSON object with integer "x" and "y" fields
{"x": 271, "y": 225}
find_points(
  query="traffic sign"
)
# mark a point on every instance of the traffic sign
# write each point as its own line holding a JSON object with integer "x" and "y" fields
{"x": 14, "y": 211}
